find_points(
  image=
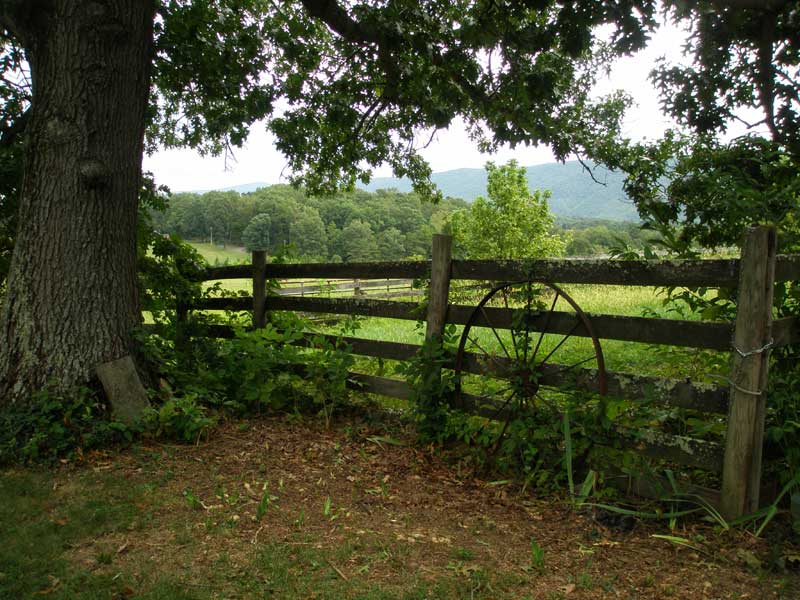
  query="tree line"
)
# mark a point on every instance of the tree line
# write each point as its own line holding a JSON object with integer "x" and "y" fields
{"x": 350, "y": 226}
{"x": 358, "y": 226}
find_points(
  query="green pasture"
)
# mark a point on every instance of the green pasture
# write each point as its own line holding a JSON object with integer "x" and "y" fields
{"x": 663, "y": 361}
{"x": 219, "y": 255}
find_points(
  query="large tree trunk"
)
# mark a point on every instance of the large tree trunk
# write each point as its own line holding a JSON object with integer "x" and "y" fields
{"x": 72, "y": 296}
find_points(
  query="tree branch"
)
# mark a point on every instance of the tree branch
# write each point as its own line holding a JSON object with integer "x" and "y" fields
{"x": 335, "y": 17}
{"x": 765, "y": 77}
{"x": 589, "y": 170}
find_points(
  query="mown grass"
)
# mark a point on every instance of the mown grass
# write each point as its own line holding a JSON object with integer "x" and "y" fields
{"x": 41, "y": 521}
{"x": 217, "y": 255}
{"x": 41, "y": 525}
{"x": 160, "y": 521}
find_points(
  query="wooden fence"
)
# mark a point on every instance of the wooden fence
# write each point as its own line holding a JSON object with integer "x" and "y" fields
{"x": 337, "y": 288}
{"x": 749, "y": 339}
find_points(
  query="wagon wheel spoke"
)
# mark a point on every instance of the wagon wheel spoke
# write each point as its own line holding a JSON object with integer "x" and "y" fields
{"x": 546, "y": 325}
{"x": 511, "y": 329}
{"x": 527, "y": 318}
{"x": 491, "y": 356}
{"x": 505, "y": 404}
{"x": 561, "y": 343}
{"x": 573, "y": 365}
{"x": 497, "y": 412}
{"x": 506, "y": 423}
{"x": 496, "y": 335}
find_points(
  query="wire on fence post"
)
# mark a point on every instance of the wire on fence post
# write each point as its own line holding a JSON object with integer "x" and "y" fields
{"x": 741, "y": 473}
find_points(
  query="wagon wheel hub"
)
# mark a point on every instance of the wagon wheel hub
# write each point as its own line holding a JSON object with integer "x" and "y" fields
{"x": 527, "y": 381}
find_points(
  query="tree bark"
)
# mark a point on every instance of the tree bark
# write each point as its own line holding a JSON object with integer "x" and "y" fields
{"x": 72, "y": 296}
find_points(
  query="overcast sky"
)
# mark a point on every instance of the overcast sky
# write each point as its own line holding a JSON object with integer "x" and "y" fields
{"x": 258, "y": 161}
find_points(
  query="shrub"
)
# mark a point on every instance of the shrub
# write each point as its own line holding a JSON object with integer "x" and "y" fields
{"x": 58, "y": 423}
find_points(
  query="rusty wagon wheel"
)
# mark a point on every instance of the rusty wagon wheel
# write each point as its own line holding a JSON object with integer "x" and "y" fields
{"x": 522, "y": 366}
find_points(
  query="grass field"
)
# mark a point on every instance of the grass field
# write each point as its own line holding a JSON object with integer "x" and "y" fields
{"x": 632, "y": 357}
{"x": 232, "y": 255}
{"x": 217, "y": 255}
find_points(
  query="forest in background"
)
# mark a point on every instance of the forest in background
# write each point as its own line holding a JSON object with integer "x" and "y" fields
{"x": 354, "y": 226}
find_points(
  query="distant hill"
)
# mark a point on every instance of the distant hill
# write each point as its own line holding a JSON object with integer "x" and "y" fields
{"x": 244, "y": 188}
{"x": 575, "y": 194}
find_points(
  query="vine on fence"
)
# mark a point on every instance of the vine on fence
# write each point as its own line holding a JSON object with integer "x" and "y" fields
{"x": 432, "y": 383}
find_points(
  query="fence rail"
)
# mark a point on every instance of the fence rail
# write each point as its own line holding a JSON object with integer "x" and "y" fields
{"x": 749, "y": 274}
{"x": 686, "y": 273}
{"x": 374, "y": 288}
{"x": 656, "y": 391}
{"x": 645, "y": 330}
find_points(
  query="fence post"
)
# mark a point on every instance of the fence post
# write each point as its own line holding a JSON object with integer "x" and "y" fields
{"x": 181, "y": 326}
{"x": 741, "y": 474}
{"x": 440, "y": 285}
{"x": 259, "y": 289}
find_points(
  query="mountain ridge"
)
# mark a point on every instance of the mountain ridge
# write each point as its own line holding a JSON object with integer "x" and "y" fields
{"x": 574, "y": 192}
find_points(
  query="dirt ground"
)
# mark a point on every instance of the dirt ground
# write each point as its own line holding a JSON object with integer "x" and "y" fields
{"x": 375, "y": 512}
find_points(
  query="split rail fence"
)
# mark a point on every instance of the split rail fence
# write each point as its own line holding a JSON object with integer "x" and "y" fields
{"x": 333, "y": 288}
{"x": 749, "y": 339}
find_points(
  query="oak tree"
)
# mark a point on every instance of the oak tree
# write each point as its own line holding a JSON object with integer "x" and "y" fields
{"x": 696, "y": 185}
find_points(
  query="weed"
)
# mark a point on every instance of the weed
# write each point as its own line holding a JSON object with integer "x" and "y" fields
{"x": 180, "y": 418}
{"x": 584, "y": 581}
{"x": 192, "y": 501}
{"x": 462, "y": 569}
{"x": 536, "y": 557}
{"x": 266, "y": 501}
{"x": 607, "y": 584}
{"x": 463, "y": 554}
{"x": 300, "y": 520}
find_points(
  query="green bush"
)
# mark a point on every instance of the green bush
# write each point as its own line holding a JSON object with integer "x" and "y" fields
{"x": 432, "y": 386}
{"x": 58, "y": 423}
{"x": 180, "y": 418}
{"x": 265, "y": 370}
